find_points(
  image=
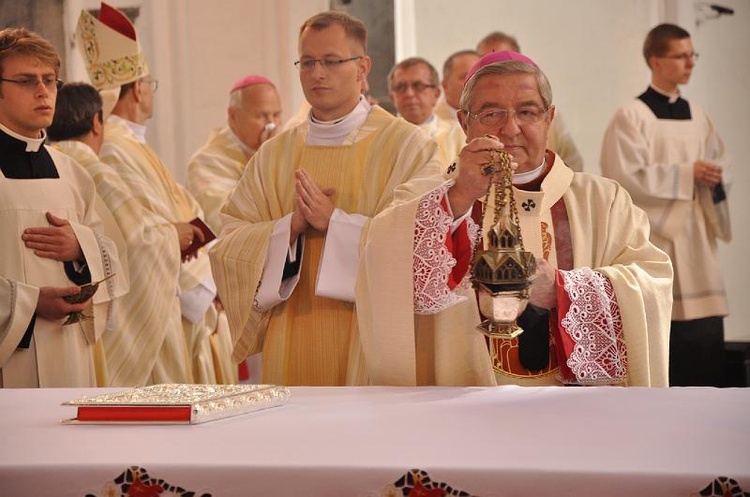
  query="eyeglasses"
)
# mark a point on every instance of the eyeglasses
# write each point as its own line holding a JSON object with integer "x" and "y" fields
{"x": 49, "y": 82}
{"x": 153, "y": 83}
{"x": 308, "y": 65}
{"x": 417, "y": 87}
{"x": 684, "y": 57}
{"x": 499, "y": 117}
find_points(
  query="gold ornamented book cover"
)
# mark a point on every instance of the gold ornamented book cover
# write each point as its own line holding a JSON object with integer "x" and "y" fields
{"x": 176, "y": 403}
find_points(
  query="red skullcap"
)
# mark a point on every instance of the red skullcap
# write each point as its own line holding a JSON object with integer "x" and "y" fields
{"x": 250, "y": 80}
{"x": 494, "y": 57}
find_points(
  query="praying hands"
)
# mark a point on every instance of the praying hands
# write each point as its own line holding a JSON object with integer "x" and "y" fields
{"x": 314, "y": 206}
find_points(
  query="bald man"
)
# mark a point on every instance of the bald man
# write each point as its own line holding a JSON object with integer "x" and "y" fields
{"x": 253, "y": 116}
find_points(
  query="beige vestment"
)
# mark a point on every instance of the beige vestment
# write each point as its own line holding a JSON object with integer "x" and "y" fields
{"x": 560, "y": 141}
{"x": 607, "y": 235}
{"x": 307, "y": 339}
{"x": 444, "y": 111}
{"x": 150, "y": 182}
{"x": 149, "y": 314}
{"x": 449, "y": 137}
{"x": 58, "y": 356}
{"x": 213, "y": 172}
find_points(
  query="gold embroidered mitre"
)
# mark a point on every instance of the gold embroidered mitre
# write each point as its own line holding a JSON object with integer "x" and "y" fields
{"x": 110, "y": 48}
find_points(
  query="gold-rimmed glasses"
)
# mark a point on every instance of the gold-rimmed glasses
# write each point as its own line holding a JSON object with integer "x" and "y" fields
{"x": 499, "y": 117}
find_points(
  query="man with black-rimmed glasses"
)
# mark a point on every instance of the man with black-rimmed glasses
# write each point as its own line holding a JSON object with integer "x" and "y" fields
{"x": 287, "y": 258}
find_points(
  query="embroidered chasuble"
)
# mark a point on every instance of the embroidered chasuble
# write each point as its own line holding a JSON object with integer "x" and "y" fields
{"x": 613, "y": 284}
{"x": 308, "y": 340}
{"x": 187, "y": 358}
{"x": 214, "y": 171}
{"x": 34, "y": 351}
{"x": 650, "y": 147}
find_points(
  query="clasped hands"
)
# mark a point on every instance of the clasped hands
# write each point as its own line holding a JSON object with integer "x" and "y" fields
{"x": 314, "y": 206}
{"x": 58, "y": 242}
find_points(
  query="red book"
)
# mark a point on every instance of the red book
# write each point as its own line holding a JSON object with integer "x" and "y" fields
{"x": 177, "y": 403}
{"x": 208, "y": 235}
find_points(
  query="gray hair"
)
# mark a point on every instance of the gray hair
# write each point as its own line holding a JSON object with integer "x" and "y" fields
{"x": 507, "y": 67}
{"x": 235, "y": 99}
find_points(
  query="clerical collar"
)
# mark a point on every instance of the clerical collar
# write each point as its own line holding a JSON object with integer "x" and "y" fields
{"x": 139, "y": 130}
{"x": 665, "y": 106}
{"x": 22, "y": 157}
{"x": 336, "y": 132}
{"x": 32, "y": 144}
{"x": 529, "y": 176}
{"x": 430, "y": 123}
{"x": 671, "y": 96}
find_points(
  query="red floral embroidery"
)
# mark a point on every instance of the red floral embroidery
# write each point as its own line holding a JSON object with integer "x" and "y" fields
{"x": 140, "y": 489}
{"x": 420, "y": 490}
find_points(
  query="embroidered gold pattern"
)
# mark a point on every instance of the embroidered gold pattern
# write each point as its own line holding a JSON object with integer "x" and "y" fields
{"x": 109, "y": 73}
{"x": 546, "y": 241}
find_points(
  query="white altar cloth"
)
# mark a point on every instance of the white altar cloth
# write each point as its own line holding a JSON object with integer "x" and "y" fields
{"x": 347, "y": 441}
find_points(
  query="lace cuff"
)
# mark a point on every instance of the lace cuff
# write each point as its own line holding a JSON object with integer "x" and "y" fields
{"x": 433, "y": 262}
{"x": 591, "y": 331}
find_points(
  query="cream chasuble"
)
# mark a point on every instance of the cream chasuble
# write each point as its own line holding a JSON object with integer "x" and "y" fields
{"x": 607, "y": 234}
{"x": 308, "y": 340}
{"x": 561, "y": 142}
{"x": 188, "y": 358}
{"x": 214, "y": 171}
{"x": 449, "y": 137}
{"x": 58, "y": 356}
{"x": 444, "y": 111}
{"x": 149, "y": 313}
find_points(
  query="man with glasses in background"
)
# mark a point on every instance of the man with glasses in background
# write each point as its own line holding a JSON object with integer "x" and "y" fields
{"x": 667, "y": 153}
{"x": 286, "y": 261}
{"x": 52, "y": 241}
{"x": 413, "y": 85}
{"x": 200, "y": 346}
{"x": 598, "y": 311}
